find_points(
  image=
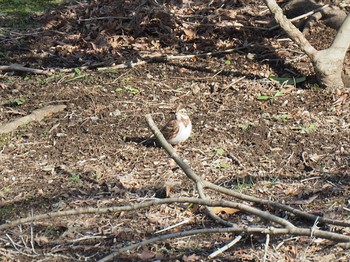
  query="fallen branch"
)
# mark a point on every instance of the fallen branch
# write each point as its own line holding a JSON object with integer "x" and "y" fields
{"x": 155, "y": 59}
{"x": 205, "y": 184}
{"x": 154, "y": 202}
{"x": 17, "y": 67}
{"x": 37, "y": 115}
{"x": 248, "y": 230}
{"x": 276, "y": 205}
{"x": 188, "y": 171}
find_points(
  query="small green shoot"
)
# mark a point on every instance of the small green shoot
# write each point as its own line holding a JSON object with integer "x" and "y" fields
{"x": 316, "y": 87}
{"x": 281, "y": 117}
{"x": 266, "y": 97}
{"x": 75, "y": 178}
{"x": 179, "y": 90}
{"x": 6, "y": 190}
{"x": 5, "y": 54}
{"x": 247, "y": 126}
{"x": 221, "y": 164}
{"x": 242, "y": 184}
{"x": 132, "y": 90}
{"x": 77, "y": 75}
{"x": 125, "y": 85}
{"x": 220, "y": 151}
{"x": 228, "y": 62}
{"x": 45, "y": 80}
{"x": 307, "y": 129}
{"x": 15, "y": 102}
{"x": 263, "y": 98}
{"x": 77, "y": 71}
{"x": 288, "y": 80}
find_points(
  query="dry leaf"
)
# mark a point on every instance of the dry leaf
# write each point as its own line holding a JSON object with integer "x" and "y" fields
{"x": 227, "y": 210}
{"x": 189, "y": 33}
{"x": 41, "y": 240}
{"x": 146, "y": 255}
{"x": 190, "y": 258}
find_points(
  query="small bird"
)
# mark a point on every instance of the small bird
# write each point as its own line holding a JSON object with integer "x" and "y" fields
{"x": 178, "y": 129}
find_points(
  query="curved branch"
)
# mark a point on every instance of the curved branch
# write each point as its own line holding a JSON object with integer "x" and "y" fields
{"x": 250, "y": 230}
{"x": 186, "y": 168}
{"x": 206, "y": 202}
{"x": 287, "y": 208}
{"x": 342, "y": 39}
{"x": 190, "y": 174}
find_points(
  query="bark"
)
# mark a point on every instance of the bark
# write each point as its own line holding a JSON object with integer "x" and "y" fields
{"x": 328, "y": 63}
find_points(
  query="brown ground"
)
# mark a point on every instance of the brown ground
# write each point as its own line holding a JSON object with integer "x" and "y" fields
{"x": 291, "y": 148}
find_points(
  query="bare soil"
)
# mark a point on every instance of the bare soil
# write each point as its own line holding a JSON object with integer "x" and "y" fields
{"x": 293, "y": 147}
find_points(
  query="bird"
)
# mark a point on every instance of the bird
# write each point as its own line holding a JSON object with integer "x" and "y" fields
{"x": 179, "y": 128}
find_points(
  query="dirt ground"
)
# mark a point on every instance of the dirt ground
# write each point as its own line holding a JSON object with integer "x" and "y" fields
{"x": 288, "y": 143}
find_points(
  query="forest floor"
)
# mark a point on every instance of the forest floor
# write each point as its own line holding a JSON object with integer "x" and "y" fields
{"x": 285, "y": 142}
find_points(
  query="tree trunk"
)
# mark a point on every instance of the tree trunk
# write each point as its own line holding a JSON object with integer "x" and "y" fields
{"x": 328, "y": 63}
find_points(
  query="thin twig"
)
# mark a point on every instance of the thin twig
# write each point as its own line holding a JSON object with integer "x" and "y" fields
{"x": 224, "y": 248}
{"x": 187, "y": 220}
{"x": 104, "y": 18}
{"x": 266, "y": 249}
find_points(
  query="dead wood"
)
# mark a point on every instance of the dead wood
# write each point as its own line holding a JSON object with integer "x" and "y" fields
{"x": 17, "y": 67}
{"x": 250, "y": 230}
{"x": 37, "y": 116}
{"x": 328, "y": 63}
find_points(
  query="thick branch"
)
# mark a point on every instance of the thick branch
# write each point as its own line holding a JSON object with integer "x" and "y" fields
{"x": 37, "y": 115}
{"x": 190, "y": 174}
{"x": 342, "y": 39}
{"x": 117, "y": 209}
{"x": 250, "y": 230}
{"x": 290, "y": 29}
{"x": 186, "y": 168}
{"x": 17, "y": 67}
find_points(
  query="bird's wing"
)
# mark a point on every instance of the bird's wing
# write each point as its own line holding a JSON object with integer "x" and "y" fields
{"x": 171, "y": 129}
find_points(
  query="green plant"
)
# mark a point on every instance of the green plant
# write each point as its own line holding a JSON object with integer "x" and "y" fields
{"x": 246, "y": 126}
{"x": 5, "y": 54}
{"x": 78, "y": 74}
{"x": 281, "y": 117}
{"x": 316, "y": 87}
{"x": 132, "y": 90}
{"x": 243, "y": 184}
{"x": 179, "y": 90}
{"x": 15, "y": 102}
{"x": 46, "y": 80}
{"x": 287, "y": 80}
{"x": 74, "y": 178}
{"x": 222, "y": 165}
{"x": 266, "y": 97}
{"x": 307, "y": 129}
{"x": 129, "y": 88}
{"x": 219, "y": 151}
{"x": 6, "y": 190}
